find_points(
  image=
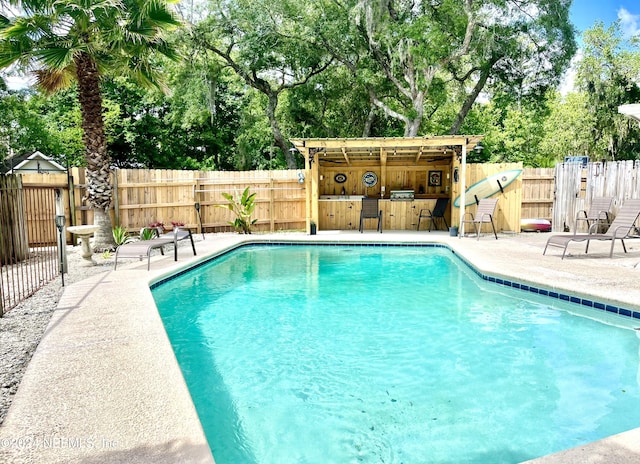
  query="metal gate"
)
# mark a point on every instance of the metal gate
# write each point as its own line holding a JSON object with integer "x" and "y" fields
{"x": 28, "y": 240}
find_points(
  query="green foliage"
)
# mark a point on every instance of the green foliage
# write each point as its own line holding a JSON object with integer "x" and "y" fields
{"x": 609, "y": 74}
{"x": 121, "y": 235}
{"x": 217, "y": 115}
{"x": 148, "y": 233}
{"x": 23, "y": 129}
{"x": 568, "y": 128}
{"x": 243, "y": 208}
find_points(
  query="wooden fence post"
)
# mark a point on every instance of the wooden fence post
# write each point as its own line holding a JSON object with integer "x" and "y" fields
{"x": 272, "y": 209}
{"x": 14, "y": 244}
{"x": 116, "y": 198}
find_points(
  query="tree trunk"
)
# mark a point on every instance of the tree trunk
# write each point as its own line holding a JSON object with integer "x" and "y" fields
{"x": 366, "y": 131}
{"x": 472, "y": 97}
{"x": 103, "y": 238}
{"x": 99, "y": 189}
{"x": 275, "y": 129}
{"x": 411, "y": 127}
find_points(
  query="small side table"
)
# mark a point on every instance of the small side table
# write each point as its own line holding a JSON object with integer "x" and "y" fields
{"x": 85, "y": 233}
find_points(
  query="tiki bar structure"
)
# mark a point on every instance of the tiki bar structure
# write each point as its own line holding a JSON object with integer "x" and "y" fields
{"x": 406, "y": 174}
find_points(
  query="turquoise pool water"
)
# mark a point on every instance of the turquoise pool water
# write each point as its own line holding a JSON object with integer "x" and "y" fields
{"x": 338, "y": 354}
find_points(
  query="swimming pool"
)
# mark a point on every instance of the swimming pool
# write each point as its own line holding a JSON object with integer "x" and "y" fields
{"x": 372, "y": 354}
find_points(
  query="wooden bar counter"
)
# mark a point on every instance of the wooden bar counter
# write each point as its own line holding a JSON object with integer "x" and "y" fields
{"x": 342, "y": 212}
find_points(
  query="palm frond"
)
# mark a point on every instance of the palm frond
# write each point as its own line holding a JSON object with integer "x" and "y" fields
{"x": 55, "y": 57}
{"x": 52, "y": 80}
{"x": 155, "y": 12}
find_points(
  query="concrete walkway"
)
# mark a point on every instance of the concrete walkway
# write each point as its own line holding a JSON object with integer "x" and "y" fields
{"x": 104, "y": 385}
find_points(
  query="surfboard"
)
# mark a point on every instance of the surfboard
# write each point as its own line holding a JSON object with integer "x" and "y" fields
{"x": 488, "y": 187}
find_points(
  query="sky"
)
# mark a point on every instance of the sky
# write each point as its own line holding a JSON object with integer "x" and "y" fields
{"x": 584, "y": 13}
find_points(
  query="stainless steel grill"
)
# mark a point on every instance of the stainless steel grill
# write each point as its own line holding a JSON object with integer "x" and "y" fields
{"x": 402, "y": 195}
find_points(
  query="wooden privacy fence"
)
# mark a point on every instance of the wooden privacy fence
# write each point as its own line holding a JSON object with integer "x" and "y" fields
{"x": 508, "y": 211}
{"x": 537, "y": 193}
{"x": 147, "y": 196}
{"x": 144, "y": 196}
{"x": 577, "y": 186}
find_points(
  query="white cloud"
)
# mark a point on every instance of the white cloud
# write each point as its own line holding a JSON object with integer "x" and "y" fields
{"x": 629, "y": 23}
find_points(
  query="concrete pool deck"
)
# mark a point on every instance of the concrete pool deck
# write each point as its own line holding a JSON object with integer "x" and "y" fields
{"x": 104, "y": 386}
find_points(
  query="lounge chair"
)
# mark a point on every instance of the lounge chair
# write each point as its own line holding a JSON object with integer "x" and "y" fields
{"x": 619, "y": 229}
{"x": 370, "y": 211}
{"x": 484, "y": 215}
{"x": 599, "y": 212}
{"x": 178, "y": 234}
{"x": 435, "y": 215}
{"x": 143, "y": 248}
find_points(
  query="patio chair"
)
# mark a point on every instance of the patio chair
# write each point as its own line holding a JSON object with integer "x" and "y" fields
{"x": 599, "y": 212}
{"x": 435, "y": 215}
{"x": 144, "y": 248}
{"x": 370, "y": 211}
{"x": 619, "y": 229}
{"x": 484, "y": 215}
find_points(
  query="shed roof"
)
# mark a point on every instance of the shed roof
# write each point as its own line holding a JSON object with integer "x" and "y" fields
{"x": 24, "y": 162}
{"x": 401, "y": 150}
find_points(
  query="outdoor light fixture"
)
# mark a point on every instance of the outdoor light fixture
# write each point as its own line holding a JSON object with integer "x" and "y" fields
{"x": 478, "y": 148}
{"x": 60, "y": 220}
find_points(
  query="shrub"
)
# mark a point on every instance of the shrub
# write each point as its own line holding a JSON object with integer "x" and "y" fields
{"x": 243, "y": 209}
{"x": 121, "y": 235}
{"x": 148, "y": 233}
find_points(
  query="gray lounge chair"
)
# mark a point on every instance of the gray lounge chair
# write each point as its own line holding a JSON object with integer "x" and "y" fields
{"x": 599, "y": 212}
{"x": 143, "y": 248}
{"x": 484, "y": 215}
{"x": 619, "y": 229}
{"x": 177, "y": 234}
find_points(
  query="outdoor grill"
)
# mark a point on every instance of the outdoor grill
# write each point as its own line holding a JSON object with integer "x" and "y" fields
{"x": 402, "y": 195}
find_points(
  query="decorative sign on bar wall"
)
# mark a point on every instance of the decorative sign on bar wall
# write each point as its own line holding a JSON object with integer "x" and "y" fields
{"x": 435, "y": 178}
{"x": 370, "y": 179}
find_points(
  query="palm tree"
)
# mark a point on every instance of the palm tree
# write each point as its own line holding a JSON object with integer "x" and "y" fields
{"x": 80, "y": 41}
